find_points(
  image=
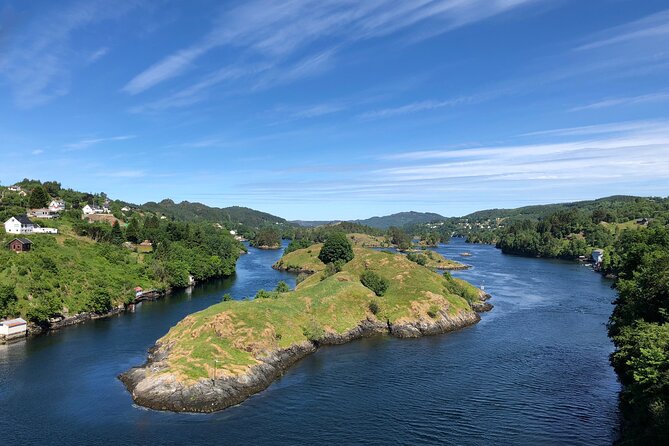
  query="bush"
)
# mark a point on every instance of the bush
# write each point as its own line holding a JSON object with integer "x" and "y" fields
{"x": 227, "y": 297}
{"x": 336, "y": 247}
{"x": 374, "y": 307}
{"x": 263, "y": 294}
{"x": 8, "y": 300}
{"x": 313, "y": 331}
{"x": 421, "y": 259}
{"x": 282, "y": 287}
{"x": 374, "y": 282}
{"x": 433, "y": 311}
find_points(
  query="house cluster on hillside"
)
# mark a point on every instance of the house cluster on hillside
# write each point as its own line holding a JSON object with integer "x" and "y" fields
{"x": 91, "y": 209}
{"x": 18, "y": 190}
{"x": 22, "y": 225}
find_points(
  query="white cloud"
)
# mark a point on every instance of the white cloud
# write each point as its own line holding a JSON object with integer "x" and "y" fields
{"x": 648, "y": 28}
{"x": 98, "y": 54}
{"x": 276, "y": 32}
{"x": 39, "y": 58}
{"x": 627, "y": 100}
{"x": 88, "y": 142}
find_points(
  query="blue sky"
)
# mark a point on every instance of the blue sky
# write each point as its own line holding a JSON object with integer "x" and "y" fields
{"x": 338, "y": 109}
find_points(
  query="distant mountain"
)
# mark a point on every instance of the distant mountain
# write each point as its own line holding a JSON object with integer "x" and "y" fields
{"x": 187, "y": 211}
{"x": 401, "y": 219}
{"x": 313, "y": 223}
{"x": 539, "y": 211}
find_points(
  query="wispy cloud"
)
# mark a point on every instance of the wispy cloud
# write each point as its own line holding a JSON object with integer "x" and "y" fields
{"x": 37, "y": 152}
{"x": 627, "y": 100}
{"x": 88, "y": 142}
{"x": 431, "y": 104}
{"x": 651, "y": 27}
{"x": 39, "y": 60}
{"x": 98, "y": 54}
{"x": 291, "y": 36}
{"x": 630, "y": 152}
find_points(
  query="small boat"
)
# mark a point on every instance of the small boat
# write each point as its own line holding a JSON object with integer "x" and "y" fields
{"x": 465, "y": 254}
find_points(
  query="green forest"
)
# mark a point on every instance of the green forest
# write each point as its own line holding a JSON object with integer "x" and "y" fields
{"x": 639, "y": 327}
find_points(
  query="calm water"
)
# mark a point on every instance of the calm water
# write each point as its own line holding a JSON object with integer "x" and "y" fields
{"x": 533, "y": 371}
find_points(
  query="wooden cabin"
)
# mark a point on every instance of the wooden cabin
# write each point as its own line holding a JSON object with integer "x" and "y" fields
{"x": 20, "y": 245}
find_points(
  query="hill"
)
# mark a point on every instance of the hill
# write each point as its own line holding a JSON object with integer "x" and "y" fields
{"x": 401, "y": 219}
{"x": 632, "y": 206}
{"x": 233, "y": 215}
{"x": 220, "y": 356}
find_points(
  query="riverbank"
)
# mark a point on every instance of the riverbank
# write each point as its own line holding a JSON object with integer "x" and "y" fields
{"x": 219, "y": 357}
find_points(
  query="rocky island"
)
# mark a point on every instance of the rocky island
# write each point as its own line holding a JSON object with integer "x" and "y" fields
{"x": 220, "y": 356}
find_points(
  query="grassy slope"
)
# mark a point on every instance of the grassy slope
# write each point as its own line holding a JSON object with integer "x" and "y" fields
{"x": 237, "y": 332}
{"x": 81, "y": 265}
{"x": 438, "y": 261}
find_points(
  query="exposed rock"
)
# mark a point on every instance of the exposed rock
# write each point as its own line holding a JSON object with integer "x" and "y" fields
{"x": 153, "y": 385}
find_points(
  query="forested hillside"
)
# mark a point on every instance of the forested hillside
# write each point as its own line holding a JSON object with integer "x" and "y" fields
{"x": 94, "y": 266}
{"x": 639, "y": 327}
{"x": 233, "y": 215}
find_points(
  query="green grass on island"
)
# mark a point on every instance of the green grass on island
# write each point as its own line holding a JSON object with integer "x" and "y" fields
{"x": 233, "y": 335}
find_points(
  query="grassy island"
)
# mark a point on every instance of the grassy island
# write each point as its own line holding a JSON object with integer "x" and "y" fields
{"x": 219, "y": 356}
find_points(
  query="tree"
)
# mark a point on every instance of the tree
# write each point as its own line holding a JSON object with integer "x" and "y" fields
{"x": 267, "y": 237}
{"x": 8, "y": 300}
{"x": 38, "y": 198}
{"x": 336, "y": 247}
{"x": 133, "y": 231}
{"x": 116, "y": 235}
{"x": 399, "y": 238}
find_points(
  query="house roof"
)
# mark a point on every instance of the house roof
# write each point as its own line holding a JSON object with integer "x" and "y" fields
{"x": 14, "y": 322}
{"x": 23, "y": 219}
{"x": 24, "y": 241}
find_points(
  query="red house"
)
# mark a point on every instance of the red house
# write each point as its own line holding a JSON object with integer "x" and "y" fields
{"x": 20, "y": 245}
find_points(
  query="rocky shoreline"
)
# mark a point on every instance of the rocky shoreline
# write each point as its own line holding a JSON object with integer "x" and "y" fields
{"x": 164, "y": 391}
{"x": 62, "y": 322}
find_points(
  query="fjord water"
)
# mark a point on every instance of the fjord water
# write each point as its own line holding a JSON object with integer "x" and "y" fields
{"x": 533, "y": 371}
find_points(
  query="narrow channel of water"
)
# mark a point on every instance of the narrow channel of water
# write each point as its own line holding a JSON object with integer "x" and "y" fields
{"x": 533, "y": 371}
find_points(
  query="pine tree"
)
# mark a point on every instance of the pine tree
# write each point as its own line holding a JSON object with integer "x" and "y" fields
{"x": 116, "y": 236}
{"x": 132, "y": 232}
{"x": 38, "y": 198}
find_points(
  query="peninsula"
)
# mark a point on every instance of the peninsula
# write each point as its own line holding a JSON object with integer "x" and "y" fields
{"x": 220, "y": 356}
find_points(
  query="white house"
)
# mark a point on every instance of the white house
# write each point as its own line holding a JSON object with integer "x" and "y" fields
{"x": 14, "y": 188}
{"x": 40, "y": 230}
{"x": 125, "y": 209}
{"x": 19, "y": 225}
{"x": 92, "y": 209}
{"x": 13, "y": 328}
{"x": 57, "y": 206}
{"x": 42, "y": 213}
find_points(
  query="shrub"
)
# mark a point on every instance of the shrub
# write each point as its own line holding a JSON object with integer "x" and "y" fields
{"x": 421, "y": 259}
{"x": 227, "y": 297}
{"x": 264, "y": 294}
{"x": 313, "y": 331}
{"x": 374, "y": 307}
{"x": 282, "y": 287}
{"x": 433, "y": 311}
{"x": 8, "y": 300}
{"x": 336, "y": 247}
{"x": 374, "y": 282}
